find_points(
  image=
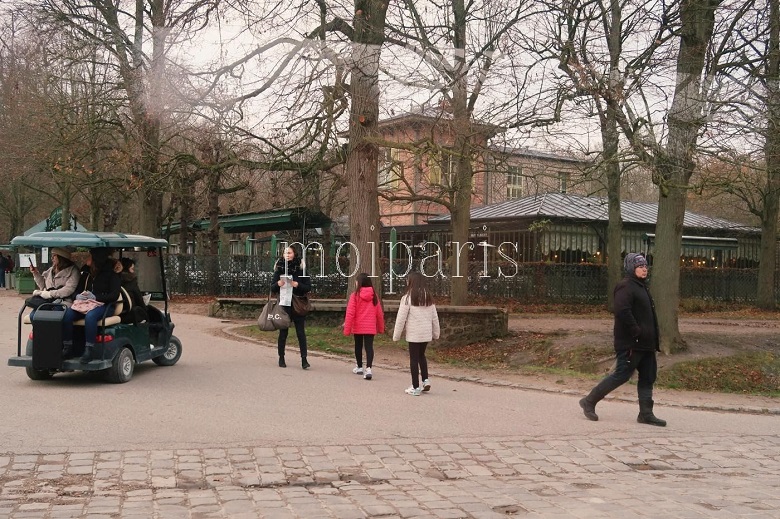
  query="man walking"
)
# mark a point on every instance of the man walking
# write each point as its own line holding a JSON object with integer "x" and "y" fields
{"x": 636, "y": 341}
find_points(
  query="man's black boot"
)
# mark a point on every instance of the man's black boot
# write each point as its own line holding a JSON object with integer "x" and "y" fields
{"x": 304, "y": 363}
{"x": 282, "y": 364}
{"x": 588, "y": 404}
{"x": 589, "y": 409}
{"x": 67, "y": 349}
{"x": 646, "y": 415}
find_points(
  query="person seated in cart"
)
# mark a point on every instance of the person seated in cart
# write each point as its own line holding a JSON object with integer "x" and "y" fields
{"x": 99, "y": 283}
{"x": 138, "y": 313}
{"x": 59, "y": 281}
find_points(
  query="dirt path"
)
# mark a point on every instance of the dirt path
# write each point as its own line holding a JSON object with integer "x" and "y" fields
{"x": 572, "y": 323}
{"x": 706, "y": 337}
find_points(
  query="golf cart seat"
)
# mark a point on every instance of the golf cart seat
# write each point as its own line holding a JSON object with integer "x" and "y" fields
{"x": 123, "y": 304}
{"x": 115, "y": 318}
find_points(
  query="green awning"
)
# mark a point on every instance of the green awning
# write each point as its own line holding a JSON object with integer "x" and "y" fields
{"x": 87, "y": 239}
{"x": 273, "y": 220}
{"x": 712, "y": 242}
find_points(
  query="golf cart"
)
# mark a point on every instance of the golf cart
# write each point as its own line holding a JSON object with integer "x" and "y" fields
{"x": 121, "y": 343}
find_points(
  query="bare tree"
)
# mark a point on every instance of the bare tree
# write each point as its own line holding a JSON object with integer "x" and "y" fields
{"x": 451, "y": 52}
{"x": 771, "y": 206}
{"x": 674, "y": 162}
{"x": 746, "y": 150}
{"x": 17, "y": 73}
{"x": 137, "y": 35}
{"x": 589, "y": 43}
{"x": 66, "y": 124}
{"x": 318, "y": 73}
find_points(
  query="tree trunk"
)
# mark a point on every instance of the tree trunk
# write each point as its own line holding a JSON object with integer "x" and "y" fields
{"x": 665, "y": 281}
{"x": 615, "y": 223}
{"x": 147, "y": 114}
{"x": 362, "y": 158}
{"x": 674, "y": 165}
{"x": 611, "y": 141}
{"x": 767, "y": 258}
{"x": 65, "y": 222}
{"x": 462, "y": 182}
{"x": 461, "y": 219}
{"x": 185, "y": 218}
{"x": 212, "y": 235}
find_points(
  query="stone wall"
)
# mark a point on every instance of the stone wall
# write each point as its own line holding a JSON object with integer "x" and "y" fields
{"x": 459, "y": 324}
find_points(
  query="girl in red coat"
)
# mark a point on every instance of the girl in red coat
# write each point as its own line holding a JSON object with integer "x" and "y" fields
{"x": 365, "y": 318}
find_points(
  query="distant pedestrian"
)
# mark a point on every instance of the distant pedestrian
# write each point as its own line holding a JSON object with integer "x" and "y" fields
{"x": 3, "y": 267}
{"x": 635, "y": 340}
{"x": 288, "y": 276}
{"x": 417, "y": 315}
{"x": 365, "y": 318}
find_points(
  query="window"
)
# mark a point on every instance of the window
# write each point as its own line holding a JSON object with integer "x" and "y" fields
{"x": 438, "y": 163}
{"x": 391, "y": 169}
{"x": 563, "y": 180}
{"x": 514, "y": 183}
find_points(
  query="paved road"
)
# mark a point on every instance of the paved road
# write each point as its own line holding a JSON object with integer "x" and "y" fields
{"x": 225, "y": 433}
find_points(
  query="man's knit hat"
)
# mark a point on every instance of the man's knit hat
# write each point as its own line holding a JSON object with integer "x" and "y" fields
{"x": 632, "y": 261}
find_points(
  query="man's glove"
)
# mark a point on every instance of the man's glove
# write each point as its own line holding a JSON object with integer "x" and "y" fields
{"x": 45, "y": 294}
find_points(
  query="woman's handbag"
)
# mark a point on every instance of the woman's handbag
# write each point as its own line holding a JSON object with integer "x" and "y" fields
{"x": 85, "y": 306}
{"x": 273, "y": 317}
{"x": 301, "y": 305}
{"x": 36, "y": 301}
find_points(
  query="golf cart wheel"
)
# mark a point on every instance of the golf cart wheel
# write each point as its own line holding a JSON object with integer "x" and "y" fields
{"x": 171, "y": 355}
{"x": 122, "y": 369}
{"x": 39, "y": 374}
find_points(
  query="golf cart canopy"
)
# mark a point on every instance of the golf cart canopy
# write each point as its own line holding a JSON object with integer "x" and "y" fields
{"x": 87, "y": 239}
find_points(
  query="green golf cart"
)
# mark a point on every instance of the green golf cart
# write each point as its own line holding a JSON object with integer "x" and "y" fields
{"x": 121, "y": 342}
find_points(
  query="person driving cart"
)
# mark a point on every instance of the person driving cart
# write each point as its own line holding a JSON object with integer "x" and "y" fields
{"x": 99, "y": 287}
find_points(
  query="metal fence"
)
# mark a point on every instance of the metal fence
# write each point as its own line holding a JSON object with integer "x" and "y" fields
{"x": 248, "y": 276}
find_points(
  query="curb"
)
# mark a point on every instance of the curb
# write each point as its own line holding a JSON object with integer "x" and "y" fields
{"x": 736, "y": 409}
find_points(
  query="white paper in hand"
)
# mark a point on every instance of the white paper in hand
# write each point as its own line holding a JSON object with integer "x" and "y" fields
{"x": 285, "y": 292}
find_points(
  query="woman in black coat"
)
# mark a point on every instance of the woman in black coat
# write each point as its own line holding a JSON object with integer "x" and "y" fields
{"x": 137, "y": 313}
{"x": 98, "y": 282}
{"x": 289, "y": 269}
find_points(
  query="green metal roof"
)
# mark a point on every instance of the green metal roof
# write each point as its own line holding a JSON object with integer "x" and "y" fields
{"x": 87, "y": 239}
{"x": 273, "y": 220}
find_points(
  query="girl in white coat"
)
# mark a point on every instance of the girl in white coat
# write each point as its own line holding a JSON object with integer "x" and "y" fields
{"x": 417, "y": 314}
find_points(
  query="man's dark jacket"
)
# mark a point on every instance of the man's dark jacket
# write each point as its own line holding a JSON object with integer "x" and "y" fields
{"x": 636, "y": 325}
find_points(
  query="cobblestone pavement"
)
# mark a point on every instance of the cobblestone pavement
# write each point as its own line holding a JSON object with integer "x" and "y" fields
{"x": 648, "y": 476}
